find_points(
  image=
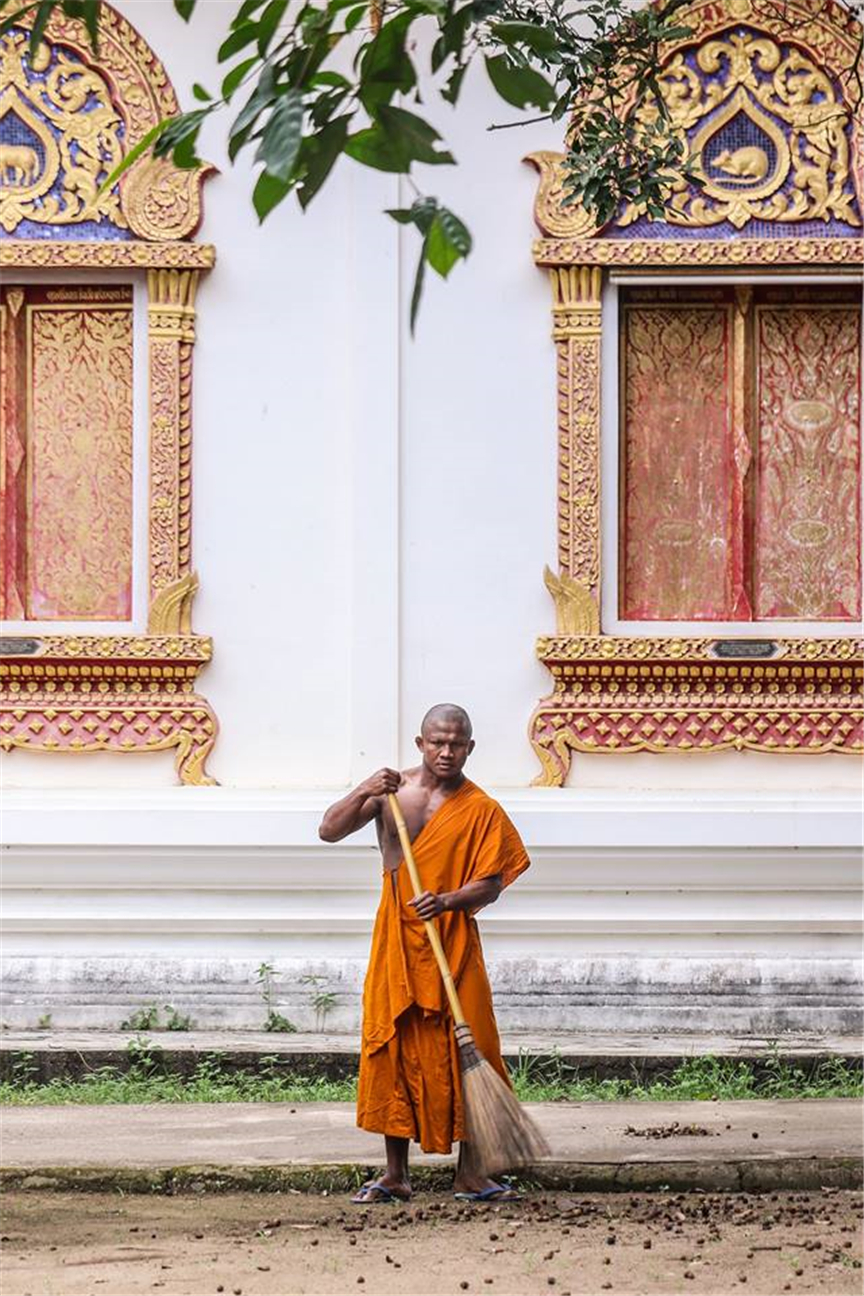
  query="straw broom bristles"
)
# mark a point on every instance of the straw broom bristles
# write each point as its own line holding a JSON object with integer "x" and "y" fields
{"x": 499, "y": 1134}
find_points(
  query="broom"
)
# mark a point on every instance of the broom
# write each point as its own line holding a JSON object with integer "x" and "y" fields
{"x": 500, "y": 1135}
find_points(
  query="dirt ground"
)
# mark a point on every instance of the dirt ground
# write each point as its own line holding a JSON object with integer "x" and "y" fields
{"x": 290, "y": 1244}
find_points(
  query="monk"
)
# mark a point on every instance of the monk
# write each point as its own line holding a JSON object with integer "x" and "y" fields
{"x": 467, "y": 851}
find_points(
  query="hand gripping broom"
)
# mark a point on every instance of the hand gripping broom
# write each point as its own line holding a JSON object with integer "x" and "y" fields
{"x": 500, "y": 1135}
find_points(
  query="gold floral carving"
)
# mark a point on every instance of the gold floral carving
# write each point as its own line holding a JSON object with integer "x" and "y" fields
{"x": 800, "y": 169}
{"x": 576, "y": 326}
{"x": 171, "y": 609}
{"x": 791, "y": 75}
{"x": 555, "y": 216}
{"x": 576, "y": 611}
{"x": 79, "y": 549}
{"x": 74, "y": 157}
{"x": 171, "y": 312}
{"x": 42, "y": 254}
{"x": 844, "y": 254}
{"x": 156, "y": 200}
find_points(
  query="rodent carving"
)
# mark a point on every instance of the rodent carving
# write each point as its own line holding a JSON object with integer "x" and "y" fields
{"x": 749, "y": 163}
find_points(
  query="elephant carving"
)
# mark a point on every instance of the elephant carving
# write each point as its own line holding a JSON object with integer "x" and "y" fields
{"x": 19, "y": 164}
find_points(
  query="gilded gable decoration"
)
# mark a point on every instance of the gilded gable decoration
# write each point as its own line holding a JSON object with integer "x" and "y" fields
{"x": 765, "y": 100}
{"x": 67, "y": 118}
{"x": 750, "y": 393}
{"x": 66, "y": 122}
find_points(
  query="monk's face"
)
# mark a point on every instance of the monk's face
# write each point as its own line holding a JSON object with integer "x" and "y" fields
{"x": 445, "y": 747}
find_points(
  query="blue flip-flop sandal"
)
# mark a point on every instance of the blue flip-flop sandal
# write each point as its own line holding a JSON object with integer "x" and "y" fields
{"x": 495, "y": 1192}
{"x": 386, "y": 1196}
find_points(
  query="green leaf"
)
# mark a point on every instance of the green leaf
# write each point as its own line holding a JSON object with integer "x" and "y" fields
{"x": 90, "y": 14}
{"x": 179, "y": 130}
{"x": 421, "y": 213}
{"x": 457, "y": 233}
{"x": 542, "y": 40}
{"x": 417, "y": 292}
{"x": 331, "y": 79}
{"x": 447, "y": 242}
{"x": 261, "y": 97}
{"x": 282, "y": 136}
{"x": 200, "y": 93}
{"x": 354, "y": 16}
{"x": 43, "y": 13}
{"x": 450, "y": 93}
{"x": 385, "y": 68}
{"x": 373, "y": 147}
{"x": 440, "y": 252}
{"x": 238, "y": 40}
{"x": 236, "y": 75}
{"x": 520, "y": 86}
{"x": 413, "y": 136}
{"x": 133, "y": 155}
{"x": 245, "y": 12}
{"x": 319, "y": 154}
{"x": 268, "y": 22}
{"x": 268, "y": 193}
{"x": 184, "y": 155}
{"x": 185, "y": 8}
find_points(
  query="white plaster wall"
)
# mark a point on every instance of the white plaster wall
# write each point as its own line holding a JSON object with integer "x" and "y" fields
{"x": 372, "y": 514}
{"x": 371, "y": 519}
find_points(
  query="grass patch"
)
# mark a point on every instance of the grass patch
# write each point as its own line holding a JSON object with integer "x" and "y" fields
{"x": 147, "y": 1080}
{"x": 696, "y": 1079}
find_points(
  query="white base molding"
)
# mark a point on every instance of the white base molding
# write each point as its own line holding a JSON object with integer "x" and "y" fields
{"x": 698, "y": 913}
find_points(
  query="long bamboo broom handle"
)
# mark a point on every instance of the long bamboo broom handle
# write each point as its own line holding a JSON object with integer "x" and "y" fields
{"x": 431, "y": 929}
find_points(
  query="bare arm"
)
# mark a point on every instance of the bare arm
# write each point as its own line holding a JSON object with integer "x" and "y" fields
{"x": 471, "y": 897}
{"x": 359, "y": 807}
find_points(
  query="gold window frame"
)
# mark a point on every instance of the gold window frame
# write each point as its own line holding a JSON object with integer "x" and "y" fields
{"x": 666, "y": 693}
{"x": 129, "y": 692}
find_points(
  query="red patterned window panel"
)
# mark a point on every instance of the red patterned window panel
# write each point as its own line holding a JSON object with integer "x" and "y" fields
{"x": 741, "y": 454}
{"x": 682, "y": 536}
{"x": 66, "y": 439}
{"x": 808, "y": 517}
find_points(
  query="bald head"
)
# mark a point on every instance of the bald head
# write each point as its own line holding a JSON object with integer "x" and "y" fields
{"x": 449, "y": 714}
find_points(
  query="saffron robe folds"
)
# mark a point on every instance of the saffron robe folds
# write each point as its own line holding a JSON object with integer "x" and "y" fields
{"x": 409, "y": 1084}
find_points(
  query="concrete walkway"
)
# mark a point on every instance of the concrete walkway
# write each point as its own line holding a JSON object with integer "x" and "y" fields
{"x": 711, "y": 1145}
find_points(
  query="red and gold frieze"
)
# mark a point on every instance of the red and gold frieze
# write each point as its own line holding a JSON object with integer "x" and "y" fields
{"x": 614, "y": 694}
{"x": 58, "y": 694}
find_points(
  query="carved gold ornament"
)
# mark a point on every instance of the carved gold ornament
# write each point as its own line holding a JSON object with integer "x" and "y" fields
{"x": 794, "y": 162}
{"x": 65, "y": 124}
{"x": 66, "y": 135}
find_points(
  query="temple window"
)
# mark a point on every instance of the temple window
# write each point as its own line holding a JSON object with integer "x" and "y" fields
{"x": 708, "y": 373}
{"x": 68, "y": 433}
{"x": 98, "y": 303}
{"x": 739, "y": 454}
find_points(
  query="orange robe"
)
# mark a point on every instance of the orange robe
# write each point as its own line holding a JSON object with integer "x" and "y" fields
{"x": 409, "y": 1084}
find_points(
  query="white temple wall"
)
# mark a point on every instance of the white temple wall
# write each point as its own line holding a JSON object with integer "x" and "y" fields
{"x": 372, "y": 516}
